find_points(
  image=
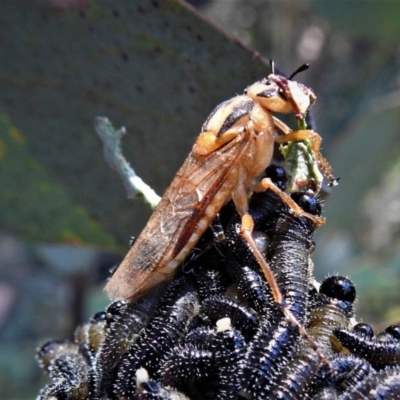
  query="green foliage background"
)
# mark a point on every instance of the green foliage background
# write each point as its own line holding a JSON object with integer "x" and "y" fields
{"x": 159, "y": 68}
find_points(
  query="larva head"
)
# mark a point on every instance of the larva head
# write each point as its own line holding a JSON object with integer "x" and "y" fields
{"x": 280, "y": 94}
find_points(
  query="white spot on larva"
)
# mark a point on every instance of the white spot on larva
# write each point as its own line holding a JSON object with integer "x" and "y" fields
{"x": 142, "y": 376}
{"x": 224, "y": 324}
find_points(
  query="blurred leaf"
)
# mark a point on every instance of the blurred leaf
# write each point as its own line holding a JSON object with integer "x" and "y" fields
{"x": 368, "y": 19}
{"x": 366, "y": 151}
{"x": 33, "y": 204}
{"x": 14, "y": 362}
{"x": 153, "y": 66}
{"x": 374, "y": 302}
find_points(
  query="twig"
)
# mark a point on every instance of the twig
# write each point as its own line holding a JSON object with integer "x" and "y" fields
{"x": 111, "y": 139}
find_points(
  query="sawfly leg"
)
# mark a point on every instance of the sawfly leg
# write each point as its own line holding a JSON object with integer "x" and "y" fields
{"x": 246, "y": 233}
{"x": 266, "y": 184}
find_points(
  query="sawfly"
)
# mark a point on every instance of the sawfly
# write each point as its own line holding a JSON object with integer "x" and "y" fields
{"x": 234, "y": 147}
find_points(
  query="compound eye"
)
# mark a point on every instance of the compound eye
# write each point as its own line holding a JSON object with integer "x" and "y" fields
{"x": 338, "y": 287}
{"x": 282, "y": 94}
{"x": 266, "y": 82}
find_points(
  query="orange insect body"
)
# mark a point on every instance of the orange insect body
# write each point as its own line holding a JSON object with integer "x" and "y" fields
{"x": 235, "y": 146}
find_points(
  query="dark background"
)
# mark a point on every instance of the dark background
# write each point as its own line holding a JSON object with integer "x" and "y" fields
{"x": 159, "y": 68}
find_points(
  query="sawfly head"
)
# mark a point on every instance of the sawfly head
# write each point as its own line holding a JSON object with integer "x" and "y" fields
{"x": 284, "y": 94}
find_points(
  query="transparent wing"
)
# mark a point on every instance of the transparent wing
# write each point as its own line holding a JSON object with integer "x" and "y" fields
{"x": 165, "y": 237}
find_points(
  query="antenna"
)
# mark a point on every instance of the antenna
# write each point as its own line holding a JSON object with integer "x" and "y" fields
{"x": 298, "y": 70}
{"x": 272, "y": 64}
